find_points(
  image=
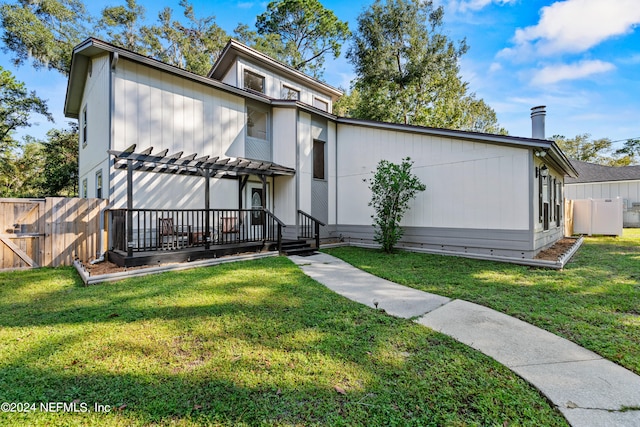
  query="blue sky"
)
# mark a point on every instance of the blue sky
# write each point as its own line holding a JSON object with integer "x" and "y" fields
{"x": 580, "y": 58}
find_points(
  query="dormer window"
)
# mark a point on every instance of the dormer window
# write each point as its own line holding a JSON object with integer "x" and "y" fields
{"x": 320, "y": 104}
{"x": 290, "y": 93}
{"x": 253, "y": 81}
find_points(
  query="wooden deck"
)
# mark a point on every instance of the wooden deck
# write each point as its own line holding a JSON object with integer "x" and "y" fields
{"x": 121, "y": 259}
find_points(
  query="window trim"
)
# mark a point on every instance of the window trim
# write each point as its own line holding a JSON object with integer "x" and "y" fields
{"x": 253, "y": 74}
{"x": 84, "y": 126}
{"x": 322, "y": 101}
{"x": 267, "y": 112}
{"x": 85, "y": 190}
{"x": 290, "y": 88}
{"x": 324, "y": 160}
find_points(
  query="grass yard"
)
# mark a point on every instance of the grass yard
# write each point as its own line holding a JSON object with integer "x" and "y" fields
{"x": 594, "y": 301}
{"x": 252, "y": 343}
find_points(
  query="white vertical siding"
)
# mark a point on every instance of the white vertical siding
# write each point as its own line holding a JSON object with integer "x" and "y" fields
{"x": 96, "y": 98}
{"x": 305, "y": 165}
{"x": 156, "y": 109}
{"x": 331, "y": 170}
{"x": 628, "y": 190}
{"x": 231, "y": 78}
{"x": 162, "y": 191}
{"x": 469, "y": 184}
{"x": 284, "y": 153}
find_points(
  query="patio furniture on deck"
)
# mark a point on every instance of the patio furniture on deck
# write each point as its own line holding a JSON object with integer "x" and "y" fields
{"x": 173, "y": 236}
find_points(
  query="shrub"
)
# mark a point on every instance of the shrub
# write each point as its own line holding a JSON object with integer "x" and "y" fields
{"x": 393, "y": 186}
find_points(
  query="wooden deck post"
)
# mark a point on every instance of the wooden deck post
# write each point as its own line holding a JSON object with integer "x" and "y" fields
{"x": 264, "y": 206}
{"x": 129, "y": 208}
{"x": 207, "y": 208}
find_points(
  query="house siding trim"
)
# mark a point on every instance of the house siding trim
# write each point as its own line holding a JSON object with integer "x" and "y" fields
{"x": 491, "y": 242}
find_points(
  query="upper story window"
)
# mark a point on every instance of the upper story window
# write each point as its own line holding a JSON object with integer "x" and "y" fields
{"x": 318, "y": 159}
{"x": 84, "y": 127}
{"x": 320, "y": 104}
{"x": 290, "y": 93}
{"x": 99, "y": 184}
{"x": 253, "y": 81}
{"x": 257, "y": 123}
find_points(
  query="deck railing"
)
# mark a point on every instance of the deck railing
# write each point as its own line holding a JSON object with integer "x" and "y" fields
{"x": 175, "y": 229}
{"x": 309, "y": 227}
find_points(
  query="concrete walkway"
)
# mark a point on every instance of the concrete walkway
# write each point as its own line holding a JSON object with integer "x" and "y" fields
{"x": 587, "y": 389}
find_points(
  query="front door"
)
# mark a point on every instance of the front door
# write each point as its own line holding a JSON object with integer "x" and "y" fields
{"x": 256, "y": 199}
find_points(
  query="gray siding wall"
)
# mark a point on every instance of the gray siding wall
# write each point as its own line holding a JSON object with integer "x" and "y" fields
{"x": 510, "y": 243}
{"x": 258, "y": 149}
{"x": 320, "y": 200}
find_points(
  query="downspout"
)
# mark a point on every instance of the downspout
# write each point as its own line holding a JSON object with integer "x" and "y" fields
{"x": 297, "y": 168}
{"x": 101, "y": 256}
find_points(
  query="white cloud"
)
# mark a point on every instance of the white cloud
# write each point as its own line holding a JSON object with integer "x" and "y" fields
{"x": 466, "y": 5}
{"x": 575, "y": 26}
{"x": 555, "y": 73}
{"x": 495, "y": 66}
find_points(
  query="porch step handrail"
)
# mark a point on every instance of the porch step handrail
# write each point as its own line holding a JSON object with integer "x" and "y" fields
{"x": 307, "y": 223}
{"x": 280, "y": 226}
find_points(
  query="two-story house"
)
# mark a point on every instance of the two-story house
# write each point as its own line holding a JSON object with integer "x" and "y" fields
{"x": 256, "y": 134}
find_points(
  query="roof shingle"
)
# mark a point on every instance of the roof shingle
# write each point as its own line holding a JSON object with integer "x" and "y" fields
{"x": 591, "y": 172}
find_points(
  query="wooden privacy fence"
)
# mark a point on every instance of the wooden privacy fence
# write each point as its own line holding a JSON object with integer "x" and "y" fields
{"x": 49, "y": 232}
{"x": 568, "y": 217}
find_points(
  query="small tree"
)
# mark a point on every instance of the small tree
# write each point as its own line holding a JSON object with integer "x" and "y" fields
{"x": 393, "y": 186}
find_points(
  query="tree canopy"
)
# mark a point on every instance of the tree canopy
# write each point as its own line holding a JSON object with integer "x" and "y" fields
{"x": 407, "y": 69}
{"x": 585, "y": 149}
{"x": 44, "y": 32}
{"x": 299, "y": 33}
{"x": 631, "y": 150}
{"x": 307, "y": 30}
{"x": 17, "y": 105}
{"x": 60, "y": 162}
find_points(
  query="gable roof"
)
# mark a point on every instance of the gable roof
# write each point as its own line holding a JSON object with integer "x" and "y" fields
{"x": 93, "y": 47}
{"x": 235, "y": 49}
{"x": 591, "y": 172}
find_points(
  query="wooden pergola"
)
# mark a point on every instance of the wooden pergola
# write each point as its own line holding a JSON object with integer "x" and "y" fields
{"x": 206, "y": 166}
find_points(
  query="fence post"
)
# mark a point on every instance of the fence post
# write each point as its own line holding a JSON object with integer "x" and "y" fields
{"x": 317, "y": 231}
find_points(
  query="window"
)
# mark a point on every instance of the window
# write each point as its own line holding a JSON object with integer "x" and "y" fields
{"x": 84, "y": 188}
{"x": 290, "y": 93}
{"x": 559, "y": 203}
{"x": 99, "y": 184}
{"x": 257, "y": 123}
{"x": 318, "y": 159}
{"x": 544, "y": 196}
{"x": 84, "y": 126}
{"x": 320, "y": 104}
{"x": 253, "y": 81}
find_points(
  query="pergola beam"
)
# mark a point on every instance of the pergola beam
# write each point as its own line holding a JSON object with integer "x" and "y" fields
{"x": 189, "y": 165}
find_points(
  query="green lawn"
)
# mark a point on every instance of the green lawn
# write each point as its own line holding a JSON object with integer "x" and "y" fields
{"x": 594, "y": 301}
{"x": 252, "y": 343}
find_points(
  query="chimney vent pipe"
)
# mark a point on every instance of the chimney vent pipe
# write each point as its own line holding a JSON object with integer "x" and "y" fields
{"x": 538, "y": 115}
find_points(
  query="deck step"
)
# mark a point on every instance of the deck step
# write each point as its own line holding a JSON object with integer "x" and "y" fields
{"x": 297, "y": 247}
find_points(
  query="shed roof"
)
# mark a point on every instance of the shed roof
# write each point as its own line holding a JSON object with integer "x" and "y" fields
{"x": 591, "y": 172}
